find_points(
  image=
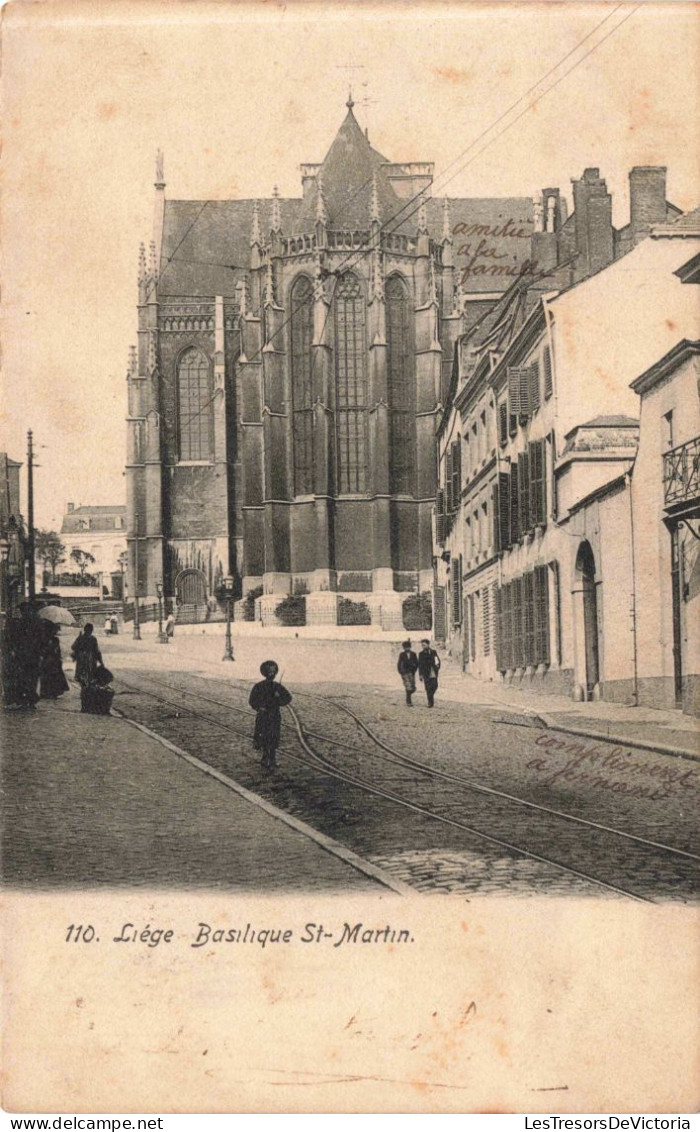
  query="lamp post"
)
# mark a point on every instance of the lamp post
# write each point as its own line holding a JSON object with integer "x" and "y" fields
{"x": 228, "y": 589}
{"x": 162, "y": 638}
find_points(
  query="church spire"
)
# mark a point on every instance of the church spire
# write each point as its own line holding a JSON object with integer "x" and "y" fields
{"x": 160, "y": 174}
{"x": 255, "y": 236}
{"x": 446, "y": 223}
{"x": 276, "y": 217}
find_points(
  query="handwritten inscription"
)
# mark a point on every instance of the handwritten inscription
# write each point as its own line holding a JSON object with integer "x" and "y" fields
{"x": 484, "y": 257}
{"x": 616, "y": 769}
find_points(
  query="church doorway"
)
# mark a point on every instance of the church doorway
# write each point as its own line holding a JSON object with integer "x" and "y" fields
{"x": 191, "y": 588}
{"x": 585, "y": 569}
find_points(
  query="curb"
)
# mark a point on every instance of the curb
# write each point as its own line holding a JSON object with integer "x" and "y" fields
{"x": 326, "y": 843}
{"x": 620, "y": 740}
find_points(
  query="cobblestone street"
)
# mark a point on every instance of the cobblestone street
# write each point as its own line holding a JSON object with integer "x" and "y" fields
{"x": 471, "y": 799}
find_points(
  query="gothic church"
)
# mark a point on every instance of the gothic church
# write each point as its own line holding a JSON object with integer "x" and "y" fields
{"x": 293, "y": 357}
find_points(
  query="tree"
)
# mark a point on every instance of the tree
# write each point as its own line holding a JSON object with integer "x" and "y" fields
{"x": 50, "y": 550}
{"x": 82, "y": 559}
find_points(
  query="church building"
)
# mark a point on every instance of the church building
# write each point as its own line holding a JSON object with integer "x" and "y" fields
{"x": 293, "y": 358}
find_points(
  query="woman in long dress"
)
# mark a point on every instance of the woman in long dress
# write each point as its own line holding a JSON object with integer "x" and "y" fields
{"x": 86, "y": 654}
{"x": 52, "y": 680}
{"x": 266, "y": 698}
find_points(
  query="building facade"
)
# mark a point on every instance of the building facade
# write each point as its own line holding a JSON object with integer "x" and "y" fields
{"x": 13, "y": 539}
{"x": 98, "y": 530}
{"x": 292, "y": 359}
{"x": 536, "y": 524}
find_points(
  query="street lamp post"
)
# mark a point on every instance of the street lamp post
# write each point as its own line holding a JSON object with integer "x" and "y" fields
{"x": 162, "y": 638}
{"x": 228, "y": 588}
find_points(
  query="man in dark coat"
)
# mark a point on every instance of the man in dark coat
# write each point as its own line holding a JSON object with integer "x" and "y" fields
{"x": 407, "y": 666}
{"x": 28, "y": 642}
{"x": 87, "y": 656}
{"x": 428, "y": 668}
{"x": 266, "y": 698}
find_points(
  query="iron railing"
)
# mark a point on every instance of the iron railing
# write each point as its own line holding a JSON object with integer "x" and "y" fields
{"x": 682, "y": 472}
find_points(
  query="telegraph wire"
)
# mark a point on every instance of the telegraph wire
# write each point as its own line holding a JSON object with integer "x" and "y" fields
{"x": 355, "y": 257}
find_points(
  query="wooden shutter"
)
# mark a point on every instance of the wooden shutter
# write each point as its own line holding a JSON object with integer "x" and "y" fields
{"x": 503, "y": 423}
{"x": 448, "y": 484}
{"x": 529, "y": 618}
{"x": 514, "y": 391}
{"x": 440, "y": 516}
{"x": 534, "y": 387}
{"x": 498, "y": 602}
{"x": 486, "y": 620}
{"x": 502, "y": 511}
{"x": 456, "y": 474}
{"x": 524, "y": 492}
{"x": 547, "y": 366}
{"x": 538, "y": 487}
{"x": 514, "y": 505}
{"x": 541, "y": 596}
{"x": 517, "y": 622}
{"x": 472, "y": 625}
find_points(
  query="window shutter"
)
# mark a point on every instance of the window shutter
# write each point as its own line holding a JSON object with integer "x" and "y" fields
{"x": 498, "y": 602}
{"x": 514, "y": 391}
{"x": 524, "y": 492}
{"x": 502, "y": 511}
{"x": 517, "y": 622}
{"x": 547, "y": 365}
{"x": 456, "y": 474}
{"x": 448, "y": 485}
{"x": 529, "y": 618}
{"x": 534, "y": 387}
{"x": 503, "y": 422}
{"x": 525, "y": 409}
{"x": 514, "y": 505}
{"x": 507, "y": 600}
{"x": 538, "y": 488}
{"x": 472, "y": 627}
{"x": 541, "y": 596}
{"x": 440, "y": 516}
{"x": 486, "y": 615}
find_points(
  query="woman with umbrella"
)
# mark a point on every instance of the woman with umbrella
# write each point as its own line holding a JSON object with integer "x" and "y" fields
{"x": 87, "y": 656}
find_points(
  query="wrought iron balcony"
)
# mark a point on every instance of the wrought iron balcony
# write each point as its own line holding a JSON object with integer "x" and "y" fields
{"x": 682, "y": 473}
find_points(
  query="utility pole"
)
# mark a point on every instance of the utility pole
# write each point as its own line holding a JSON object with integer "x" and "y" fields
{"x": 31, "y": 579}
{"x": 137, "y": 624}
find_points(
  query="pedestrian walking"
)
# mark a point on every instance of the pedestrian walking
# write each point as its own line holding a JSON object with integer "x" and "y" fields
{"x": 27, "y": 645}
{"x": 86, "y": 654}
{"x": 108, "y": 623}
{"x": 52, "y": 679}
{"x": 115, "y": 625}
{"x": 170, "y": 626}
{"x": 267, "y": 698}
{"x": 428, "y": 668}
{"x": 407, "y": 667}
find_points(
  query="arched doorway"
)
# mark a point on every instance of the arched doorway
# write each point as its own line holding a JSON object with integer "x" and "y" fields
{"x": 191, "y": 588}
{"x": 585, "y": 568}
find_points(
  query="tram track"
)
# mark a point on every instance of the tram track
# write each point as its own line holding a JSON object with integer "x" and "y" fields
{"x": 453, "y": 793}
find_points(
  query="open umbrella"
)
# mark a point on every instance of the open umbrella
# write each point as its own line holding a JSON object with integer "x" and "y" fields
{"x": 57, "y": 614}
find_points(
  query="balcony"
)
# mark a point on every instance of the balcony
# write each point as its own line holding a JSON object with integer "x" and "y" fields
{"x": 682, "y": 473}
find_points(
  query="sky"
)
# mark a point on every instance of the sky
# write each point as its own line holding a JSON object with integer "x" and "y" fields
{"x": 238, "y": 96}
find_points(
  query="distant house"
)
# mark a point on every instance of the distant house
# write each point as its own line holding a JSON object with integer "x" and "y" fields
{"x": 101, "y": 531}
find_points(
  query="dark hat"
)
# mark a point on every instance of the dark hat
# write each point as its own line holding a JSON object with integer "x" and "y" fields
{"x": 269, "y": 665}
{"x": 406, "y": 645}
{"x": 425, "y": 641}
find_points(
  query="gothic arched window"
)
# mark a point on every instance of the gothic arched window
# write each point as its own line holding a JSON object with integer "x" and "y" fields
{"x": 194, "y": 409}
{"x": 400, "y": 386}
{"x": 301, "y": 334}
{"x": 351, "y": 385}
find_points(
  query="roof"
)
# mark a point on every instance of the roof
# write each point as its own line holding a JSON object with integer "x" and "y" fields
{"x": 101, "y": 509}
{"x": 675, "y": 357}
{"x": 687, "y": 224}
{"x": 611, "y": 422}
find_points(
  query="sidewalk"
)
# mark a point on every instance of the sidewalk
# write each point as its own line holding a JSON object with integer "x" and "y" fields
{"x": 93, "y": 801}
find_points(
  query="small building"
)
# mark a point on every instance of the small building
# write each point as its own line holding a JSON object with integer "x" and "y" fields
{"x": 99, "y": 530}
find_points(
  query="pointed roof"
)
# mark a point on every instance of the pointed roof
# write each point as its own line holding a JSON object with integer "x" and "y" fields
{"x": 347, "y": 173}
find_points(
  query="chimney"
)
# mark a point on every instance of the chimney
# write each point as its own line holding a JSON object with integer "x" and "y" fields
{"x": 70, "y": 507}
{"x": 592, "y": 223}
{"x": 647, "y": 198}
